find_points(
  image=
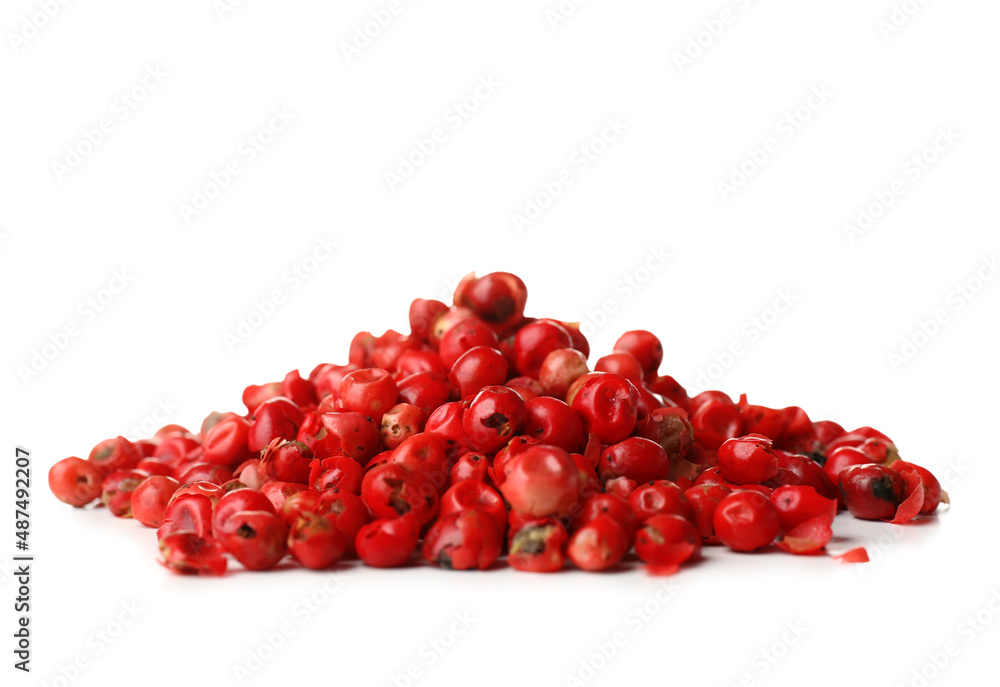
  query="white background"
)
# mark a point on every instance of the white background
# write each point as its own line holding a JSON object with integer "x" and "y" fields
{"x": 889, "y": 90}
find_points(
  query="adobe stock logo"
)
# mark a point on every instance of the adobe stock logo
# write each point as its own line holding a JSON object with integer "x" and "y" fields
{"x": 31, "y": 25}
{"x": 955, "y": 300}
{"x": 87, "y": 311}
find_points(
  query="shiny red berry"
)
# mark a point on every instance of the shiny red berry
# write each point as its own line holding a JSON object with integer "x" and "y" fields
{"x": 494, "y": 417}
{"x": 552, "y": 421}
{"x": 258, "y": 539}
{"x": 463, "y": 540}
{"x": 534, "y": 342}
{"x": 871, "y": 492}
{"x": 541, "y": 480}
{"x": 797, "y": 504}
{"x": 667, "y": 540}
{"x": 388, "y": 542}
{"x": 75, "y": 481}
{"x": 639, "y": 459}
{"x": 646, "y": 348}
{"x": 608, "y": 406}
{"x": 538, "y": 546}
{"x": 116, "y": 491}
{"x": 598, "y": 545}
{"x": 932, "y": 487}
{"x": 187, "y": 553}
{"x": 149, "y": 499}
{"x": 659, "y": 497}
{"x": 369, "y": 391}
{"x": 315, "y": 542}
{"x": 746, "y": 521}
{"x": 748, "y": 460}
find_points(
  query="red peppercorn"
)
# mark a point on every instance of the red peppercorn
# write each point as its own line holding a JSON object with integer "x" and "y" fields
{"x": 670, "y": 428}
{"x": 797, "y": 470}
{"x": 841, "y": 458}
{"x": 807, "y": 538}
{"x": 607, "y": 404}
{"x": 871, "y": 492}
{"x": 314, "y": 542}
{"x": 423, "y": 313}
{"x": 464, "y": 336}
{"x": 878, "y": 450}
{"x": 426, "y": 390}
{"x": 226, "y": 442}
{"x": 203, "y": 472}
{"x": 150, "y": 498}
{"x": 534, "y": 342}
{"x": 357, "y": 434}
{"x": 116, "y": 491}
{"x": 538, "y": 545}
{"x": 748, "y": 460}
{"x": 258, "y": 539}
{"x": 416, "y": 360}
{"x": 470, "y": 466}
{"x": 446, "y": 424}
{"x": 187, "y": 553}
{"x": 424, "y": 455}
{"x": 255, "y": 394}
{"x": 796, "y": 504}
{"x": 346, "y": 511}
{"x": 478, "y": 367}
{"x": 145, "y": 447}
{"x": 516, "y": 446}
{"x": 493, "y": 418}
{"x": 621, "y": 363}
{"x": 388, "y": 542}
{"x": 75, "y": 481}
{"x": 313, "y": 434}
{"x": 932, "y": 487}
{"x": 191, "y": 513}
{"x": 328, "y": 381}
{"x": 296, "y": 504}
{"x": 286, "y": 461}
{"x": 338, "y": 472}
{"x": 445, "y": 321}
{"x": 667, "y": 540}
{"x": 463, "y": 540}
{"x": 369, "y": 391}
{"x": 541, "y": 480}
{"x": 714, "y": 420}
{"x": 114, "y": 454}
{"x": 401, "y": 422}
{"x": 703, "y": 500}
{"x": 234, "y": 502}
{"x": 279, "y": 492}
{"x": 644, "y": 346}
{"x": 471, "y": 494}
{"x": 659, "y": 497}
{"x": 613, "y": 506}
{"x": 598, "y": 545}
{"x": 498, "y": 297}
{"x": 637, "y": 458}
{"x": 560, "y": 369}
{"x": 275, "y": 418}
{"x": 392, "y": 490}
{"x": 552, "y": 421}
{"x": 746, "y": 521}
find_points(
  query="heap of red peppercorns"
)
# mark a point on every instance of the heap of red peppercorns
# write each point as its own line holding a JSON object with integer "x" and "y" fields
{"x": 484, "y": 432}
